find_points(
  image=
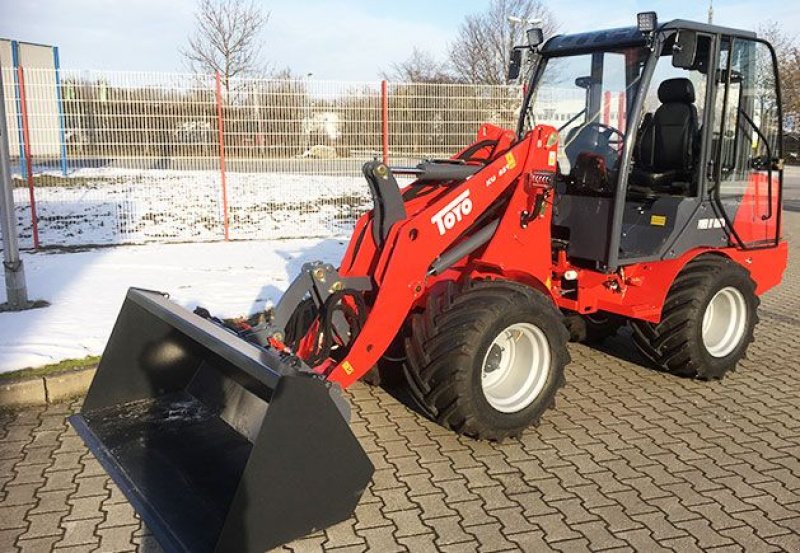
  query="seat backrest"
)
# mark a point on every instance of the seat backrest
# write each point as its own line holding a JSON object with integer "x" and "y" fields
{"x": 666, "y": 140}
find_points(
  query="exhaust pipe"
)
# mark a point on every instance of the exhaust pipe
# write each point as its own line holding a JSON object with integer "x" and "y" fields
{"x": 219, "y": 445}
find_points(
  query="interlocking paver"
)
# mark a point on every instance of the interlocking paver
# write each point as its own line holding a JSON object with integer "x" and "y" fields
{"x": 9, "y": 537}
{"x": 51, "y": 502}
{"x": 630, "y": 460}
{"x": 115, "y": 540}
{"x": 44, "y": 525}
{"x": 342, "y": 535}
{"x": 20, "y": 494}
{"x": 448, "y": 530}
{"x": 490, "y": 538}
{"x": 37, "y": 545}
{"x": 642, "y": 540}
{"x": 12, "y": 517}
{"x": 747, "y": 539}
{"x": 425, "y": 543}
{"x": 382, "y": 539}
{"x": 787, "y": 542}
{"x": 80, "y": 532}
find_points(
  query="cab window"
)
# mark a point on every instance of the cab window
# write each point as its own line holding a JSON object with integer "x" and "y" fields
{"x": 666, "y": 155}
{"x": 587, "y": 97}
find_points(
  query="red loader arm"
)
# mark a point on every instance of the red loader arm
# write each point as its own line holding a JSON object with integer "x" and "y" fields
{"x": 400, "y": 269}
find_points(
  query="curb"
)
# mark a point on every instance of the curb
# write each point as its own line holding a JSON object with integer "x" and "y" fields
{"x": 41, "y": 390}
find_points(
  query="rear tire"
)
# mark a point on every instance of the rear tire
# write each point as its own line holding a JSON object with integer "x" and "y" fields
{"x": 707, "y": 322}
{"x": 487, "y": 359}
{"x": 593, "y": 328}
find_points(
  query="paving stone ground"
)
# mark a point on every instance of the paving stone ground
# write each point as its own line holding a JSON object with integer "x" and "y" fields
{"x": 630, "y": 459}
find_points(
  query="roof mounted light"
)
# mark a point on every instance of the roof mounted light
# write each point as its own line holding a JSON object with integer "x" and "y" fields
{"x": 647, "y": 22}
{"x": 535, "y": 36}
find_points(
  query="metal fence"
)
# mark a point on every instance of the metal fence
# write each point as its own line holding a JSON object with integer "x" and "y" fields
{"x": 111, "y": 157}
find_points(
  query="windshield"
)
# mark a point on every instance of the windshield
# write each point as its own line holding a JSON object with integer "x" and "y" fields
{"x": 587, "y": 97}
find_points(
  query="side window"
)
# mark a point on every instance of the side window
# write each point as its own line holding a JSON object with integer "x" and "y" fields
{"x": 666, "y": 156}
{"x": 748, "y": 124}
{"x": 666, "y": 71}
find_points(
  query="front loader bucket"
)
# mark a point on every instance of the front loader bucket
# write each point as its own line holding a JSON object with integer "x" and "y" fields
{"x": 219, "y": 445}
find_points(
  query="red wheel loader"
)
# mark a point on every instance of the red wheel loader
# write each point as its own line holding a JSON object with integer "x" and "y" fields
{"x": 642, "y": 187}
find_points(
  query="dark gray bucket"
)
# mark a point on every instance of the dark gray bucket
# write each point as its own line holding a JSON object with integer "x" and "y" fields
{"x": 220, "y": 446}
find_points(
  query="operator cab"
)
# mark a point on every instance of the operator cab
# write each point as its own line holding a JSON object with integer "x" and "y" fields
{"x": 661, "y": 133}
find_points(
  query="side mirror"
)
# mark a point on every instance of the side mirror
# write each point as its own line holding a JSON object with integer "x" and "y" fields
{"x": 684, "y": 51}
{"x": 584, "y": 82}
{"x": 515, "y": 64}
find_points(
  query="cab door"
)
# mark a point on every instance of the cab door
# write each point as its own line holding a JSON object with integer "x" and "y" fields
{"x": 746, "y": 167}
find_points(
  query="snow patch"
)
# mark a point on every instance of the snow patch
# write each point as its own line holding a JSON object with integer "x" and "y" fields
{"x": 86, "y": 289}
{"x": 120, "y": 206}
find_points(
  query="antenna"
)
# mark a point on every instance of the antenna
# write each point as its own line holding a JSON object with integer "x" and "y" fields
{"x": 710, "y": 12}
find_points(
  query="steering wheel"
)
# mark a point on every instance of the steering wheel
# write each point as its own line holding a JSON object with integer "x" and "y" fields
{"x": 609, "y": 131}
{"x": 595, "y": 137}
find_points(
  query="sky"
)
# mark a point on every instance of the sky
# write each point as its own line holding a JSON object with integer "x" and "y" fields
{"x": 333, "y": 39}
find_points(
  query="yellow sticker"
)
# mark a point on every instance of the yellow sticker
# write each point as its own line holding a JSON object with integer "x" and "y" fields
{"x": 658, "y": 220}
{"x": 551, "y": 158}
{"x": 552, "y": 139}
{"x": 511, "y": 161}
{"x": 347, "y": 367}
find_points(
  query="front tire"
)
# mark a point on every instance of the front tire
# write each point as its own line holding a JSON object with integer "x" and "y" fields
{"x": 487, "y": 359}
{"x": 707, "y": 322}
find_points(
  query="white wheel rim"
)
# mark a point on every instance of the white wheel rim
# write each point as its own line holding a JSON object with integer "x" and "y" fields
{"x": 515, "y": 368}
{"x": 724, "y": 322}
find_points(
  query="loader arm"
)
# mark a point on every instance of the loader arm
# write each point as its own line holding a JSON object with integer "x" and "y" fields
{"x": 400, "y": 270}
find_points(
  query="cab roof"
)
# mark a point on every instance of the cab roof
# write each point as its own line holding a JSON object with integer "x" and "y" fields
{"x": 628, "y": 37}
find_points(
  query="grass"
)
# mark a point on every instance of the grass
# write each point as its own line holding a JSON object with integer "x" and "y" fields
{"x": 53, "y": 368}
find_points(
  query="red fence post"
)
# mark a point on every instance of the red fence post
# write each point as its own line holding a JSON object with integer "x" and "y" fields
{"x": 221, "y": 140}
{"x": 621, "y": 116}
{"x": 26, "y": 139}
{"x": 607, "y": 107}
{"x": 385, "y": 120}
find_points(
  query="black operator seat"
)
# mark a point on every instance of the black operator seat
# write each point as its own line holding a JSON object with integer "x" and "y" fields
{"x": 664, "y": 154}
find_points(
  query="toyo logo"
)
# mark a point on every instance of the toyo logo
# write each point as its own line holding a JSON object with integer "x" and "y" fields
{"x": 453, "y": 212}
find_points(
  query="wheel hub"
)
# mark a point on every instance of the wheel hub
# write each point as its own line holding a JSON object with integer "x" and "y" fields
{"x": 724, "y": 322}
{"x": 515, "y": 367}
{"x": 493, "y": 359}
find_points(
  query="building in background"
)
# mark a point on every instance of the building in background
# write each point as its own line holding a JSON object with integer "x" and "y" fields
{"x": 42, "y": 99}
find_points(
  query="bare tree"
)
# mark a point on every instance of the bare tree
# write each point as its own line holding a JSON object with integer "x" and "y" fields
{"x": 226, "y": 38}
{"x": 420, "y": 67}
{"x": 484, "y": 42}
{"x": 787, "y": 51}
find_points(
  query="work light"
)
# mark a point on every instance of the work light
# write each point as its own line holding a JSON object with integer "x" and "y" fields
{"x": 647, "y": 21}
{"x": 535, "y": 37}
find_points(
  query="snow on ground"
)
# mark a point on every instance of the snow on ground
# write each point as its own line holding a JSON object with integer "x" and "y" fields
{"x": 99, "y": 206}
{"x": 86, "y": 289}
